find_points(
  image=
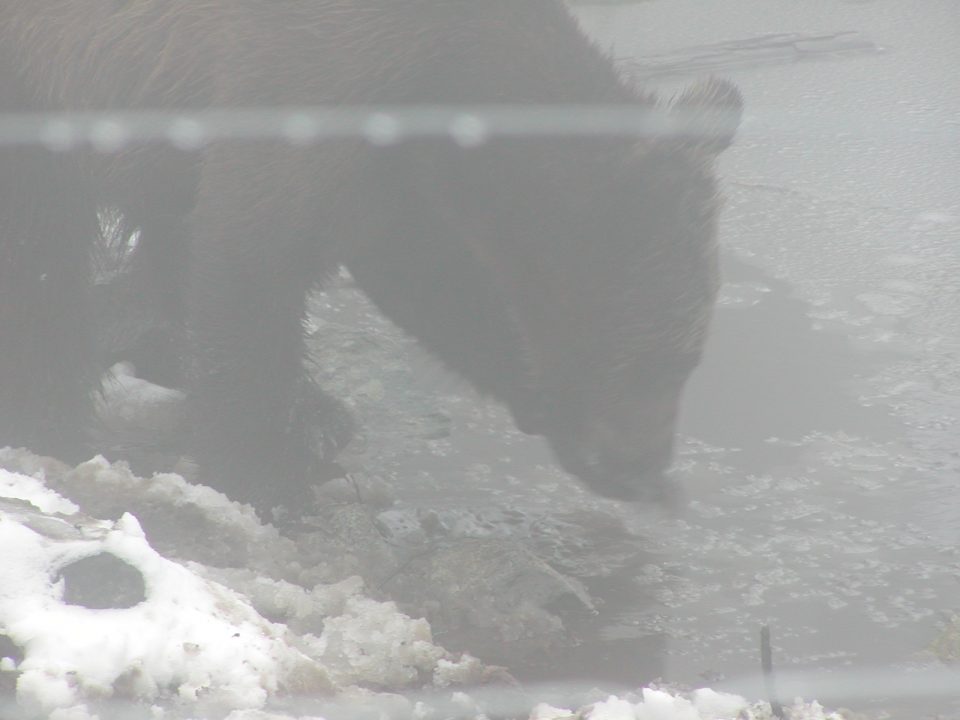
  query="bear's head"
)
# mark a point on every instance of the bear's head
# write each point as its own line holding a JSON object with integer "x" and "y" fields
{"x": 605, "y": 254}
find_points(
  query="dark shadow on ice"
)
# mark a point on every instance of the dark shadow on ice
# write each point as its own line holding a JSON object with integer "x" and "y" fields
{"x": 769, "y": 378}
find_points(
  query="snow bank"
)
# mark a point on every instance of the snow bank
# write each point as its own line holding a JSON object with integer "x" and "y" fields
{"x": 190, "y": 642}
{"x": 171, "y": 637}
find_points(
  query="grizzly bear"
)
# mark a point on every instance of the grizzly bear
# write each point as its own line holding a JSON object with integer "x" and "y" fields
{"x": 569, "y": 276}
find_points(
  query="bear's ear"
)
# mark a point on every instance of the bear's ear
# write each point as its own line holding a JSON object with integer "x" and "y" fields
{"x": 706, "y": 116}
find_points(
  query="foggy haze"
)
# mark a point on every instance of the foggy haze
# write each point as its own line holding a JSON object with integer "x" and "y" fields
{"x": 813, "y": 479}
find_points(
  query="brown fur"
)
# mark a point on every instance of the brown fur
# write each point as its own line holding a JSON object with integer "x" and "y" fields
{"x": 570, "y": 278}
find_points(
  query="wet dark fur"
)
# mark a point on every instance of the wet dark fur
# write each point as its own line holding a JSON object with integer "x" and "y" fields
{"x": 570, "y": 278}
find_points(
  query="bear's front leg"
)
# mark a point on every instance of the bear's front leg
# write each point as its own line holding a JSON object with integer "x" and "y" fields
{"x": 47, "y": 363}
{"x": 252, "y": 406}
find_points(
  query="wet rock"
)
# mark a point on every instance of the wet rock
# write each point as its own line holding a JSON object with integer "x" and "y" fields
{"x": 344, "y": 539}
{"x": 492, "y": 596}
{"x": 357, "y": 488}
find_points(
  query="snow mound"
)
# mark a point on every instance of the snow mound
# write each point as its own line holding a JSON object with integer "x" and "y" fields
{"x": 189, "y": 641}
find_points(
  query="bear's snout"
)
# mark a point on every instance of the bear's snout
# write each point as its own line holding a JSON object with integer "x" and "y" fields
{"x": 633, "y": 470}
